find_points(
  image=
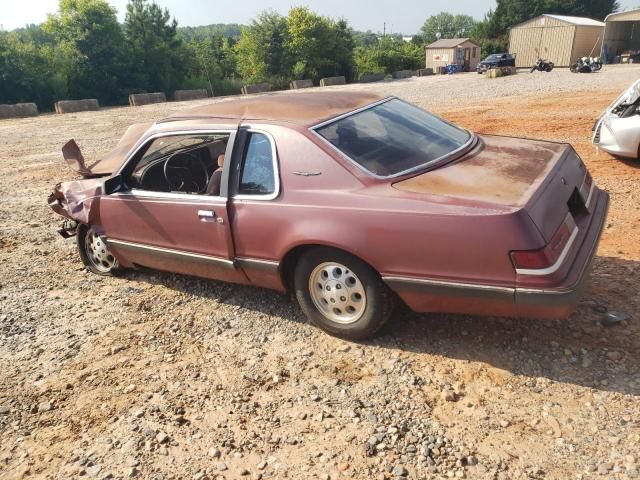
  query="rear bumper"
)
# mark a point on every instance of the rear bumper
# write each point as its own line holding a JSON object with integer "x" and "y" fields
{"x": 561, "y": 300}
{"x": 553, "y": 301}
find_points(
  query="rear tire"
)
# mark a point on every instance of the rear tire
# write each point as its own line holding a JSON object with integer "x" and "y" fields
{"x": 94, "y": 253}
{"x": 341, "y": 294}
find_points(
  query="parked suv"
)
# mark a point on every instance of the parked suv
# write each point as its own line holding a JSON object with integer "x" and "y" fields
{"x": 496, "y": 60}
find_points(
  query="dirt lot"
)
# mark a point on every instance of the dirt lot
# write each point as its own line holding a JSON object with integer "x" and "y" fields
{"x": 153, "y": 375}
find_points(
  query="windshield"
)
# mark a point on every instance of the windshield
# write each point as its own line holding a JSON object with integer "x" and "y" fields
{"x": 166, "y": 145}
{"x": 393, "y": 137}
{"x": 491, "y": 58}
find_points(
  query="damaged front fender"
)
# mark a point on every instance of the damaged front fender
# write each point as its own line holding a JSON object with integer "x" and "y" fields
{"x": 77, "y": 200}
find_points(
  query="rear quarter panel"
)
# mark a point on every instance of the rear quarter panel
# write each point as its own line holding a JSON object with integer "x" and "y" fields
{"x": 397, "y": 233}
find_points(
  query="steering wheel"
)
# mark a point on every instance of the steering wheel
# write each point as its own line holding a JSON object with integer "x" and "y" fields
{"x": 170, "y": 172}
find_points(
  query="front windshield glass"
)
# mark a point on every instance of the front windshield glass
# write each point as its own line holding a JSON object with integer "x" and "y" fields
{"x": 393, "y": 137}
{"x": 492, "y": 57}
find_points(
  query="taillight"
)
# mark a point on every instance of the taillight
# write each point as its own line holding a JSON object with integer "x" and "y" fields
{"x": 548, "y": 259}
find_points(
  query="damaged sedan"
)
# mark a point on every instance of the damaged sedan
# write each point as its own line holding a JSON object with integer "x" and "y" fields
{"x": 353, "y": 202}
{"x": 617, "y": 131}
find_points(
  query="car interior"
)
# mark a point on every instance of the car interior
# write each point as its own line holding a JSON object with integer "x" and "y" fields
{"x": 182, "y": 164}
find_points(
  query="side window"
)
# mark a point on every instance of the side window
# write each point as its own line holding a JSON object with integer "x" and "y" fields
{"x": 258, "y": 176}
{"x": 179, "y": 164}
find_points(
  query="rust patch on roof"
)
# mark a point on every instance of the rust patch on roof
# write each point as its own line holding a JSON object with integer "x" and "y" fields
{"x": 306, "y": 108}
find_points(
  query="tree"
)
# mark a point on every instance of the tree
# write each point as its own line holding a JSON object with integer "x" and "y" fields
{"x": 447, "y": 25}
{"x": 213, "y": 60}
{"x": 319, "y": 46}
{"x": 261, "y": 48}
{"x": 389, "y": 55}
{"x": 88, "y": 36}
{"x": 157, "y": 54}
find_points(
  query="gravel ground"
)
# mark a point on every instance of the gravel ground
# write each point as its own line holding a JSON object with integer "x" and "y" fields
{"x": 153, "y": 375}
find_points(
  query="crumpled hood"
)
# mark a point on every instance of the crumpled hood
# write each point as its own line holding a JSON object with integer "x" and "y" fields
{"x": 629, "y": 96}
{"x": 76, "y": 199}
{"x": 111, "y": 161}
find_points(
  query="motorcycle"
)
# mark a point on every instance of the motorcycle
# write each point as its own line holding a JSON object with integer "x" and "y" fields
{"x": 542, "y": 65}
{"x": 586, "y": 65}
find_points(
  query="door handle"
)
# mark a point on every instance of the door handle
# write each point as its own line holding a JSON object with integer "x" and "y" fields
{"x": 209, "y": 216}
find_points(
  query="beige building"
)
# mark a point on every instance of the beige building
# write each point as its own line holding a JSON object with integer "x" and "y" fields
{"x": 446, "y": 51}
{"x": 622, "y": 37}
{"x": 558, "y": 38}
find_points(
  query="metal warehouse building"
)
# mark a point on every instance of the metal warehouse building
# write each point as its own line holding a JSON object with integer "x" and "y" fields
{"x": 557, "y": 38}
{"x": 622, "y": 37}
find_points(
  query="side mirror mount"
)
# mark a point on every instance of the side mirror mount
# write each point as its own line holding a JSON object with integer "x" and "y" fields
{"x": 113, "y": 184}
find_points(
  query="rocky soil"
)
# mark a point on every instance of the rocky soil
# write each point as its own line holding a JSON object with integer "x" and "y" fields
{"x": 159, "y": 376}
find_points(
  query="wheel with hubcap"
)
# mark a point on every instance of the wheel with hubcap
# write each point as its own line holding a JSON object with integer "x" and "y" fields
{"x": 341, "y": 294}
{"x": 94, "y": 252}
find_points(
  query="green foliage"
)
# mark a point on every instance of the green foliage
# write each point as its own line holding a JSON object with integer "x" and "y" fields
{"x": 302, "y": 45}
{"x": 447, "y": 25}
{"x": 152, "y": 41}
{"x": 261, "y": 48}
{"x": 82, "y": 52}
{"x": 319, "y": 46}
{"x": 213, "y": 58}
{"x": 389, "y": 55}
{"x": 89, "y": 42}
{"x": 204, "y": 32}
{"x": 26, "y": 72}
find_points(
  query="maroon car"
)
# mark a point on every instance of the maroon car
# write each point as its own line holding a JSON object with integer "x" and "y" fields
{"x": 350, "y": 200}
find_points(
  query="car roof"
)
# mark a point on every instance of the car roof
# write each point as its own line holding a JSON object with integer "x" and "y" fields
{"x": 300, "y": 108}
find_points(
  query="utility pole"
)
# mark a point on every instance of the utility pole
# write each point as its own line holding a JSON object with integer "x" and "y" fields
{"x": 384, "y": 29}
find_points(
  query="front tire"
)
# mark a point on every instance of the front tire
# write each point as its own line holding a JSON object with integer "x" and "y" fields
{"x": 341, "y": 294}
{"x": 94, "y": 253}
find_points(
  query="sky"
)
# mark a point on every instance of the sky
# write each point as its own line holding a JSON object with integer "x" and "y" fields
{"x": 401, "y": 16}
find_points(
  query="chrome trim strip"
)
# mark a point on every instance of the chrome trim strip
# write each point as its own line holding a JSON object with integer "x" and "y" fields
{"x": 553, "y": 268}
{"x": 258, "y": 265}
{"x": 171, "y": 253}
{"x": 593, "y": 187}
{"x": 191, "y": 198}
{"x": 276, "y": 171}
{"x": 441, "y": 283}
{"x": 258, "y": 261}
{"x": 472, "y": 139}
{"x": 352, "y": 112}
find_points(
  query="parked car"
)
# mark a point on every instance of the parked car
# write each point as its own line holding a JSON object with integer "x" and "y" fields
{"x": 350, "y": 200}
{"x": 495, "y": 61}
{"x": 617, "y": 131}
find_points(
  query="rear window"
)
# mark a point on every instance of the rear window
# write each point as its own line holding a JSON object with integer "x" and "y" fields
{"x": 393, "y": 137}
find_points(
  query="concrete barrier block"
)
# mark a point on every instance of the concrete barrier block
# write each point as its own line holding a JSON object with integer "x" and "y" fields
{"x": 371, "y": 77}
{"x": 331, "y": 81}
{"x": 18, "y": 110}
{"x": 403, "y": 74}
{"x": 257, "y": 88}
{"x": 139, "y": 99}
{"x": 425, "y": 72}
{"x": 72, "y": 106}
{"x": 184, "y": 95}
{"x": 298, "y": 84}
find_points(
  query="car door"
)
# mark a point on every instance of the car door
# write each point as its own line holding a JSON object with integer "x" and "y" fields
{"x": 177, "y": 232}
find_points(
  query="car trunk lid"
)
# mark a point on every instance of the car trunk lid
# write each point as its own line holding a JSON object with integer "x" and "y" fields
{"x": 540, "y": 177}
